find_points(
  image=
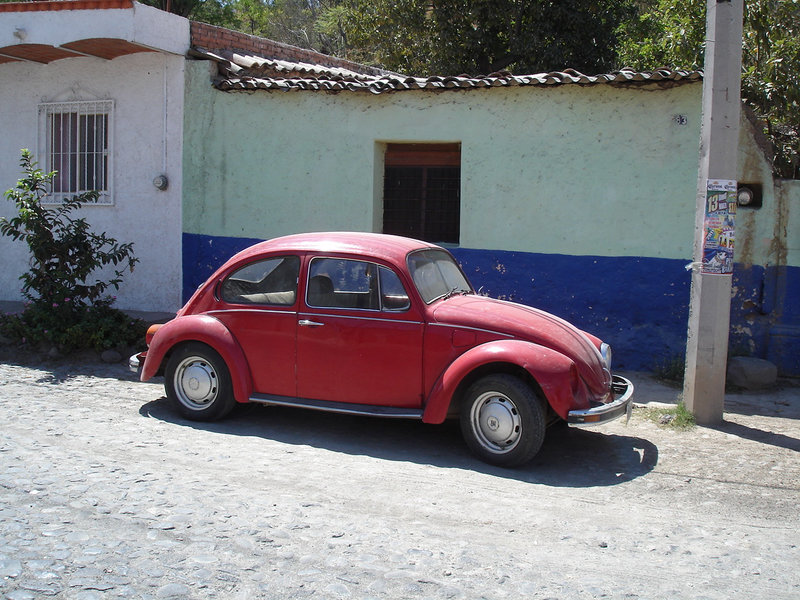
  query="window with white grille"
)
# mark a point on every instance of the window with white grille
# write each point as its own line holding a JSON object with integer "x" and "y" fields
{"x": 77, "y": 137}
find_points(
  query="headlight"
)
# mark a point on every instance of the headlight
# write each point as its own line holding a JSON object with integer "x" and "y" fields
{"x": 605, "y": 352}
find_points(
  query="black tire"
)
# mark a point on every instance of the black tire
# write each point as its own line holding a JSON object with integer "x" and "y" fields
{"x": 503, "y": 420}
{"x": 198, "y": 383}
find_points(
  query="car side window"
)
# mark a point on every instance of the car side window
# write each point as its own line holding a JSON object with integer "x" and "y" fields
{"x": 354, "y": 284}
{"x": 342, "y": 283}
{"x": 269, "y": 281}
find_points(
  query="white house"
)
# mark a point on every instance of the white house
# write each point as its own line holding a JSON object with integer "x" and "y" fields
{"x": 98, "y": 95}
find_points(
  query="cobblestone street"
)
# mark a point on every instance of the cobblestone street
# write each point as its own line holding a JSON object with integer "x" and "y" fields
{"x": 106, "y": 493}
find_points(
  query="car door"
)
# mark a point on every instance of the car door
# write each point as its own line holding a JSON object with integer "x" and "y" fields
{"x": 259, "y": 307}
{"x": 359, "y": 339}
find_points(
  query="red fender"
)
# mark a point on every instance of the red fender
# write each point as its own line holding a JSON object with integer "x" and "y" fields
{"x": 210, "y": 331}
{"x": 555, "y": 373}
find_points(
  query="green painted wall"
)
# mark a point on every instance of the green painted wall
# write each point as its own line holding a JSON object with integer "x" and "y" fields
{"x": 789, "y": 210}
{"x": 568, "y": 170}
{"x": 762, "y": 237}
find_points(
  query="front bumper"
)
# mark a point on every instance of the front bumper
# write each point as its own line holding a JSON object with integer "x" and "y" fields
{"x": 622, "y": 405}
{"x": 136, "y": 362}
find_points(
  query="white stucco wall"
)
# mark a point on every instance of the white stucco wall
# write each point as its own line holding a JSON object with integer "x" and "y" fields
{"x": 147, "y": 89}
{"x": 139, "y": 24}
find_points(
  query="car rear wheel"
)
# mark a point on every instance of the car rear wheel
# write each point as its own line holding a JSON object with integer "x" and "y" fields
{"x": 503, "y": 420}
{"x": 198, "y": 383}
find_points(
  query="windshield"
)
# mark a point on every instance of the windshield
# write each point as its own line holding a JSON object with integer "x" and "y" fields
{"x": 436, "y": 274}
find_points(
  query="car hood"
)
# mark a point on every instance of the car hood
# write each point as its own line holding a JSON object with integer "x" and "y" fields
{"x": 527, "y": 323}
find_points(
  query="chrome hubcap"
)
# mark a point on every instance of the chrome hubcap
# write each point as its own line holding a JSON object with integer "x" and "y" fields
{"x": 496, "y": 421}
{"x": 195, "y": 383}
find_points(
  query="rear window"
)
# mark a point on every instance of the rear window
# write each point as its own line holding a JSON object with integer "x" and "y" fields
{"x": 269, "y": 281}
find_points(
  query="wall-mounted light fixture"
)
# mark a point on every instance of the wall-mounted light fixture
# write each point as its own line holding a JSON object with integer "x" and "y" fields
{"x": 749, "y": 195}
{"x": 20, "y": 34}
{"x": 161, "y": 182}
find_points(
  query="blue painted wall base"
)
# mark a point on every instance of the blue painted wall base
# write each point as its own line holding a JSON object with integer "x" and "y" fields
{"x": 638, "y": 305}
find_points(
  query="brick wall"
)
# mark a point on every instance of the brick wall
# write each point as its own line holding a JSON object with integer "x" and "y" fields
{"x": 213, "y": 38}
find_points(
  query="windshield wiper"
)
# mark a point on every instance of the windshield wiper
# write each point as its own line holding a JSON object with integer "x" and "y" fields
{"x": 456, "y": 290}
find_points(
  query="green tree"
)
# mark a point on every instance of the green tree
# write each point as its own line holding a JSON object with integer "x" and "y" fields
{"x": 208, "y": 11}
{"x": 289, "y": 21}
{"x": 393, "y": 34}
{"x": 672, "y": 32}
{"x": 451, "y": 37}
{"x": 482, "y": 36}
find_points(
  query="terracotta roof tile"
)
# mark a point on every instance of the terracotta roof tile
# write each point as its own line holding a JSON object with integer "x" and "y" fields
{"x": 221, "y": 40}
{"x": 41, "y": 53}
{"x": 240, "y": 72}
{"x": 27, "y": 6}
{"x": 107, "y": 48}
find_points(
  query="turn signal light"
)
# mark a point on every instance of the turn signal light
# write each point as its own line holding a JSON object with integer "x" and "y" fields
{"x": 151, "y": 331}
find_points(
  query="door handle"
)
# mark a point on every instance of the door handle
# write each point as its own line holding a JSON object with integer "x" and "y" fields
{"x": 307, "y": 323}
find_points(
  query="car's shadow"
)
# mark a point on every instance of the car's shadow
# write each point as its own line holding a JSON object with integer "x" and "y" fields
{"x": 568, "y": 458}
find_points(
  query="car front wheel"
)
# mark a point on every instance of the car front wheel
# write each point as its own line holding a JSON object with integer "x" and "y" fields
{"x": 503, "y": 420}
{"x": 198, "y": 383}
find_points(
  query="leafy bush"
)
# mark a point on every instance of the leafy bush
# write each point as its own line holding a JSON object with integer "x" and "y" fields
{"x": 64, "y": 308}
{"x": 98, "y": 327}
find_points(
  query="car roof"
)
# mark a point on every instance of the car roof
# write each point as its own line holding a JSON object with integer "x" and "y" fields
{"x": 378, "y": 245}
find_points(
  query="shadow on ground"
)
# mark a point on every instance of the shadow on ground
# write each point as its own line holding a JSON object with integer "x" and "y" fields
{"x": 569, "y": 457}
{"x": 53, "y": 371}
{"x": 761, "y": 436}
{"x": 782, "y": 401}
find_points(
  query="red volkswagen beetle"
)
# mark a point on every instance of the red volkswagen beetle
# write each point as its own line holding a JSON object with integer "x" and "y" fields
{"x": 380, "y": 325}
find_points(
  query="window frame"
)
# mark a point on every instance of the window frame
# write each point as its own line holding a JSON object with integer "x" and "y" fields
{"x": 79, "y": 154}
{"x": 373, "y": 269}
{"x": 411, "y": 209}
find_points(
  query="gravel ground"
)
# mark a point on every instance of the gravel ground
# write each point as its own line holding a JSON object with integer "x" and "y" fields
{"x": 106, "y": 493}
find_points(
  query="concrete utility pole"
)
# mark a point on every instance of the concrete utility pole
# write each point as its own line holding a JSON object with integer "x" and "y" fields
{"x": 710, "y": 304}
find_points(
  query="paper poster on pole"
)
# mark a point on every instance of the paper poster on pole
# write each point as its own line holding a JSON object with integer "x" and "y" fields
{"x": 719, "y": 227}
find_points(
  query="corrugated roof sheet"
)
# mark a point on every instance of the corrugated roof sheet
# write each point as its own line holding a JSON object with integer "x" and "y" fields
{"x": 107, "y": 48}
{"x": 240, "y": 72}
